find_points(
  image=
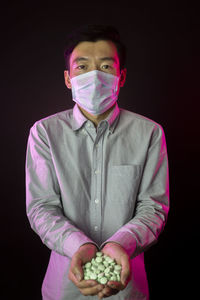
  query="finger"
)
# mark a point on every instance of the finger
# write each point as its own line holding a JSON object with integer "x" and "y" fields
{"x": 83, "y": 283}
{"x": 100, "y": 295}
{"x": 92, "y": 290}
{"x": 77, "y": 270}
{"x": 86, "y": 284}
{"x": 125, "y": 273}
{"x": 73, "y": 278}
{"x": 107, "y": 292}
{"x": 104, "y": 294}
{"x": 116, "y": 285}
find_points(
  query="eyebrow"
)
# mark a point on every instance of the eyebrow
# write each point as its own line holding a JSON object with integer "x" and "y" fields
{"x": 81, "y": 58}
{"x": 109, "y": 58}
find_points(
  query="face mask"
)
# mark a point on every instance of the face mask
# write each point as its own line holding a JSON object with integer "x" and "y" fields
{"x": 95, "y": 91}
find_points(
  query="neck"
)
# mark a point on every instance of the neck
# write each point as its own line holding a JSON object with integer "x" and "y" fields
{"x": 96, "y": 119}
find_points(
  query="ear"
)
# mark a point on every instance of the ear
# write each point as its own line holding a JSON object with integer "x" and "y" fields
{"x": 122, "y": 77}
{"x": 67, "y": 79}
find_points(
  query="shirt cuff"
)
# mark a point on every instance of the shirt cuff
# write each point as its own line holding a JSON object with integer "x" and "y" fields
{"x": 124, "y": 239}
{"x": 74, "y": 242}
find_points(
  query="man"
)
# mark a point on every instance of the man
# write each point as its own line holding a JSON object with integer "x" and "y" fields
{"x": 96, "y": 176}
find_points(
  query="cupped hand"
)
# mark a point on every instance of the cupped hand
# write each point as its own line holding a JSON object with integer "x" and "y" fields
{"x": 84, "y": 254}
{"x": 118, "y": 253}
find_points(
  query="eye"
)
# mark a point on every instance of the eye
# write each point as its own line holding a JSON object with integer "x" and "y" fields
{"x": 105, "y": 67}
{"x": 80, "y": 67}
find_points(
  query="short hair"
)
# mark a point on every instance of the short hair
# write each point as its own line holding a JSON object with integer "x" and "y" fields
{"x": 94, "y": 33}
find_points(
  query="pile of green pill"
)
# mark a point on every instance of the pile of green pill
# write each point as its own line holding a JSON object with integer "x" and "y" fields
{"x": 102, "y": 268}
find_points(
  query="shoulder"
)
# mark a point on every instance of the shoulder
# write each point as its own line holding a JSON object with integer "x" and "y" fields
{"x": 54, "y": 121}
{"x": 136, "y": 124}
{"x": 142, "y": 127}
{"x": 133, "y": 119}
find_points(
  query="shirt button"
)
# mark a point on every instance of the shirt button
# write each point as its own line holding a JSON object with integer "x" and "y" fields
{"x": 96, "y": 172}
{"x": 95, "y": 228}
{"x": 96, "y": 201}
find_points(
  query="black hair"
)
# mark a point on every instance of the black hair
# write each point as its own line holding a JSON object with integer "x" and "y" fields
{"x": 93, "y": 33}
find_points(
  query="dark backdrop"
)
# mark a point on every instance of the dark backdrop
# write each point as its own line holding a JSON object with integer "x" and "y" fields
{"x": 162, "y": 84}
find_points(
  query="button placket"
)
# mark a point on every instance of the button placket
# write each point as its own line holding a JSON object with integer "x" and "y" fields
{"x": 97, "y": 156}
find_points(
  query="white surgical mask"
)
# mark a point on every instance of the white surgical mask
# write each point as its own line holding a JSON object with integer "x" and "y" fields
{"x": 95, "y": 91}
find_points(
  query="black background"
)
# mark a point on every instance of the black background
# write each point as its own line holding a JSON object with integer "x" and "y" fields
{"x": 162, "y": 84}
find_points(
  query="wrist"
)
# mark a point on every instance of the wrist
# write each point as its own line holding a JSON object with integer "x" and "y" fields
{"x": 90, "y": 244}
{"x": 112, "y": 243}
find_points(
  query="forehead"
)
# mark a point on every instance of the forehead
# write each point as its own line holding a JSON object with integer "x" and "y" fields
{"x": 96, "y": 50}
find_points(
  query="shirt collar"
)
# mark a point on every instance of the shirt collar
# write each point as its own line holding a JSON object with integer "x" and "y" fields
{"x": 79, "y": 119}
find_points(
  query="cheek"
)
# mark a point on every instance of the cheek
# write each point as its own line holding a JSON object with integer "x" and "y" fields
{"x": 114, "y": 72}
{"x": 117, "y": 71}
{"x": 75, "y": 72}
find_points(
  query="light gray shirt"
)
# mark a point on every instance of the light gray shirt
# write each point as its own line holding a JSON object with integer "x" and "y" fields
{"x": 87, "y": 184}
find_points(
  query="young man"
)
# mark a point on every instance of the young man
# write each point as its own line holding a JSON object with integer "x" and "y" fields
{"x": 96, "y": 176}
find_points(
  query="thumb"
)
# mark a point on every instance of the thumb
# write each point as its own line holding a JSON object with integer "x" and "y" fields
{"x": 78, "y": 276}
{"x": 125, "y": 273}
{"x": 78, "y": 271}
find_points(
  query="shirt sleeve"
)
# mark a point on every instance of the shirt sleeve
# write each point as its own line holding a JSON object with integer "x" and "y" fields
{"x": 152, "y": 201}
{"x": 43, "y": 199}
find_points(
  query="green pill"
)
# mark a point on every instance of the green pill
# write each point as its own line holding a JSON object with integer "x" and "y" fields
{"x": 99, "y": 259}
{"x": 101, "y": 267}
{"x": 97, "y": 271}
{"x": 93, "y": 276}
{"x": 118, "y": 267}
{"x": 107, "y": 270}
{"x": 100, "y": 275}
{"x": 88, "y": 265}
{"x": 106, "y": 264}
{"x": 103, "y": 280}
{"x": 113, "y": 278}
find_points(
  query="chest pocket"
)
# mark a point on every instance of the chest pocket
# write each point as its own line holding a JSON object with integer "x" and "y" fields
{"x": 124, "y": 182}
